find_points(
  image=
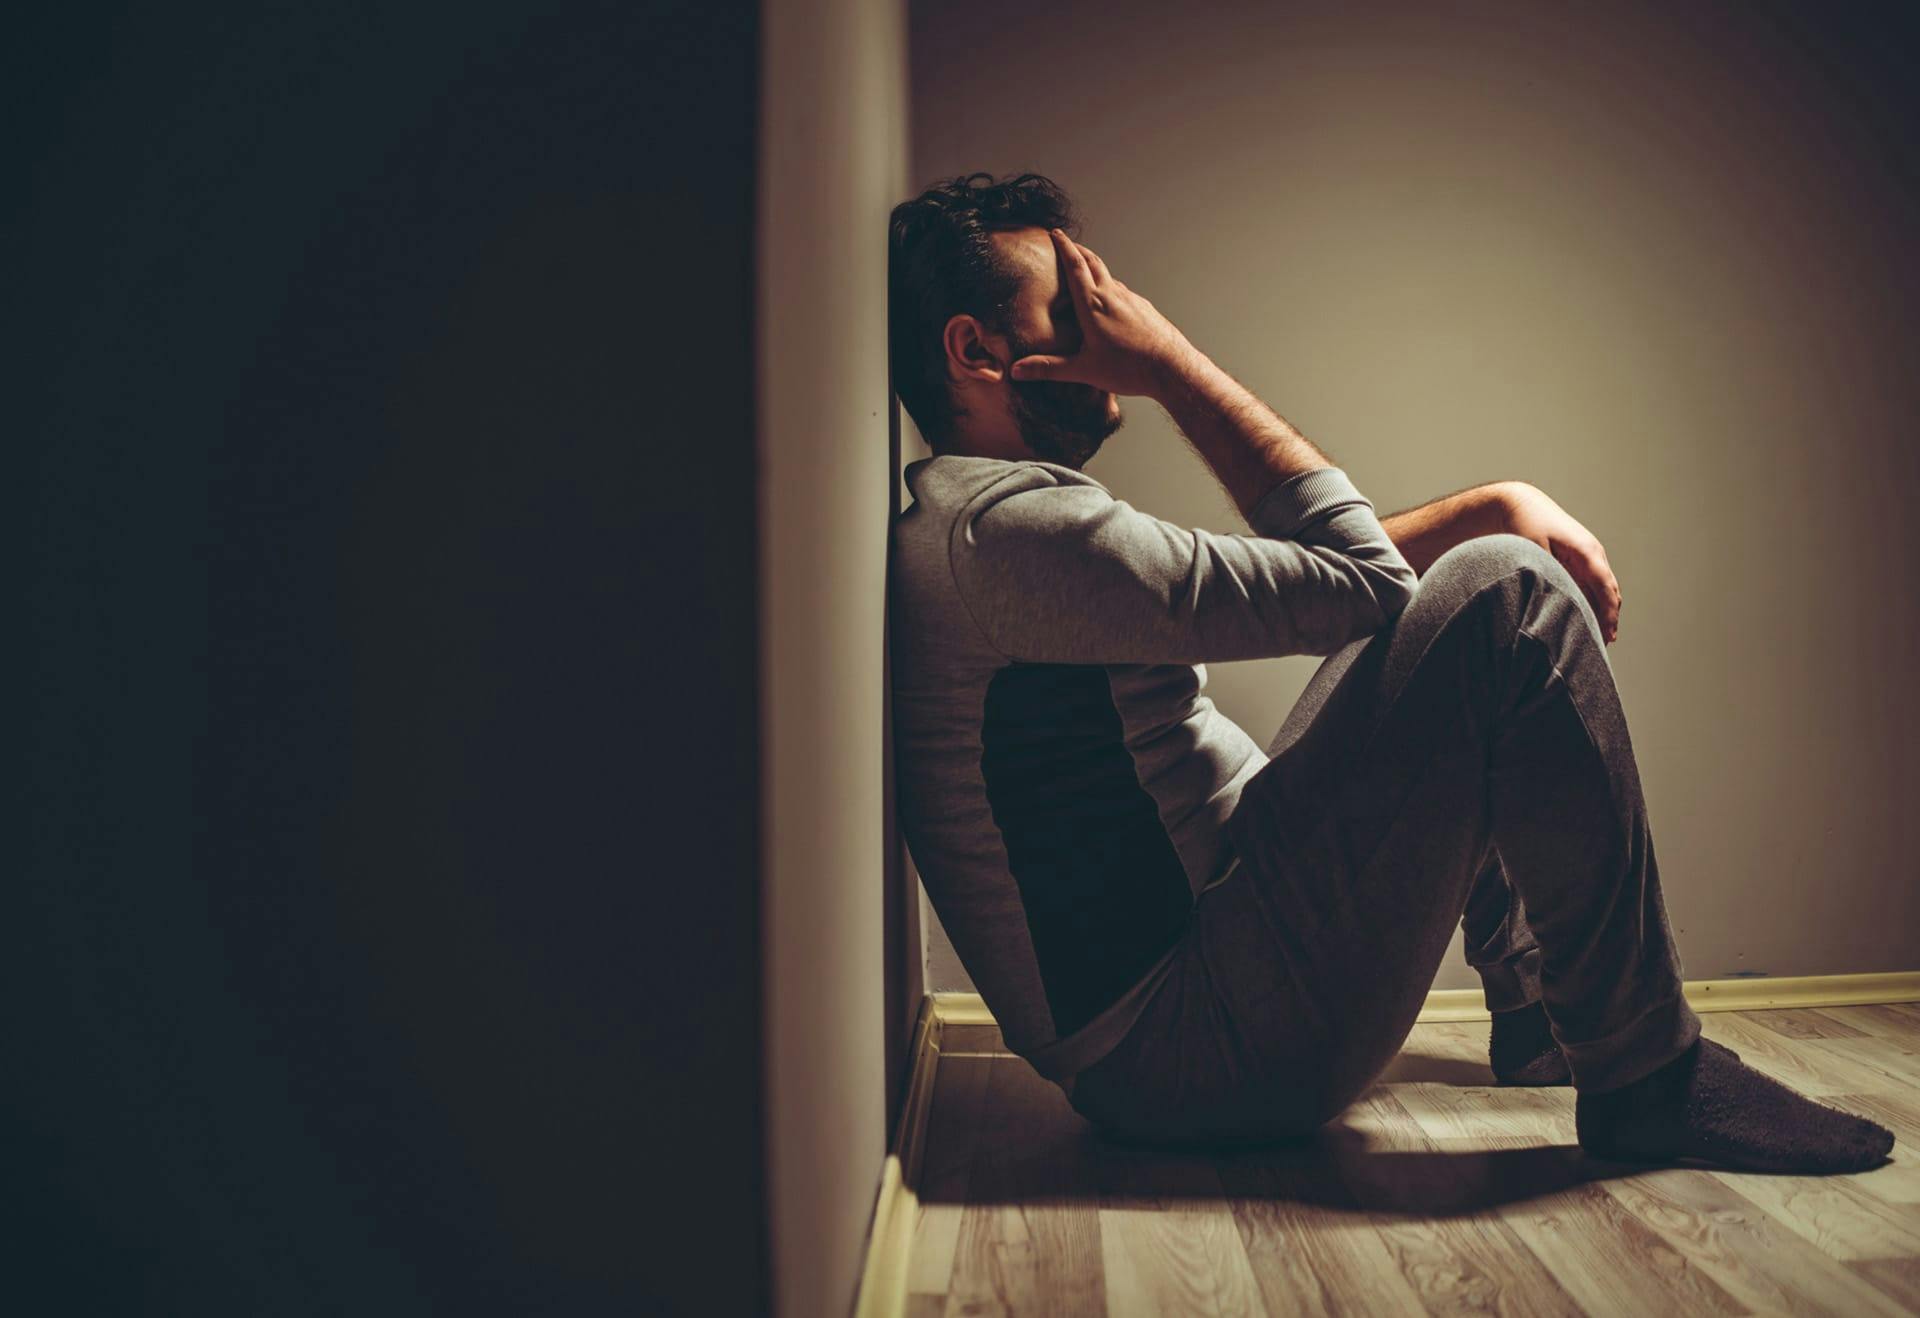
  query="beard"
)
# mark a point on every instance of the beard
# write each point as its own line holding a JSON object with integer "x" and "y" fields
{"x": 1060, "y": 420}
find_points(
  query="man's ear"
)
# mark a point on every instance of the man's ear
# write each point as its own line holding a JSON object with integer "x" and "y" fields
{"x": 972, "y": 353}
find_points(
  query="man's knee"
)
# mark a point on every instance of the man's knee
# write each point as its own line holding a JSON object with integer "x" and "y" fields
{"x": 1474, "y": 564}
{"x": 1470, "y": 570}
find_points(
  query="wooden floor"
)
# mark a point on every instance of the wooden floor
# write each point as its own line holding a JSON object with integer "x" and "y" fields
{"x": 1437, "y": 1192}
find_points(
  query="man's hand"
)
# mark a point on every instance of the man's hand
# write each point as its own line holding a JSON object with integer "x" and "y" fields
{"x": 1126, "y": 346}
{"x": 1530, "y": 513}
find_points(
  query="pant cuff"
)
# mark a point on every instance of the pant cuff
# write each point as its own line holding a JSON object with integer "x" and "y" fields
{"x": 1642, "y": 1046}
{"x": 1512, "y": 984}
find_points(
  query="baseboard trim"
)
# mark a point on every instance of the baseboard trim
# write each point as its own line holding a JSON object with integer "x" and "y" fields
{"x": 1757, "y": 993}
{"x": 1752, "y": 993}
{"x": 896, "y": 1209}
{"x": 883, "y": 1278}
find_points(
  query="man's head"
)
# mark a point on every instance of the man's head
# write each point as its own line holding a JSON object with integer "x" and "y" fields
{"x": 974, "y": 283}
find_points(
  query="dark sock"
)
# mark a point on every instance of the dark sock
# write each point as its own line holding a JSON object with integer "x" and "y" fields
{"x": 1523, "y": 1051}
{"x": 1708, "y": 1104}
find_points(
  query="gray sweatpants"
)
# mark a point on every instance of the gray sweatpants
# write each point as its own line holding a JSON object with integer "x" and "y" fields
{"x": 1468, "y": 763}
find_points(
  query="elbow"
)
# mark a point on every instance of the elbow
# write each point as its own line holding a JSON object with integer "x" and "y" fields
{"x": 1365, "y": 592}
{"x": 1393, "y": 580}
{"x": 1388, "y": 590}
{"x": 1394, "y": 591}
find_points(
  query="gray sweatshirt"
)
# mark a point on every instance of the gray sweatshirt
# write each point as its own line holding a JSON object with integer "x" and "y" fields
{"x": 1062, "y": 782}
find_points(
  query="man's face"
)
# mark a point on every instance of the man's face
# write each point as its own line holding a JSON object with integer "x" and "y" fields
{"x": 1061, "y": 421}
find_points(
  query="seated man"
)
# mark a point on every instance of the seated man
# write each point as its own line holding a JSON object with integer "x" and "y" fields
{"x": 1197, "y": 940}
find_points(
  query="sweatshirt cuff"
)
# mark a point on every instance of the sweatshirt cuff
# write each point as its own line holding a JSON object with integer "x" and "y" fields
{"x": 1301, "y": 498}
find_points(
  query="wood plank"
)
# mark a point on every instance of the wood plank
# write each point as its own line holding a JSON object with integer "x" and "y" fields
{"x": 959, "y": 1098}
{"x": 1791, "y": 1062}
{"x": 1311, "y": 1247}
{"x": 1451, "y": 1112}
{"x": 1377, "y": 1120}
{"x": 936, "y": 1240}
{"x": 1898, "y": 1182}
{"x": 1131, "y": 1178}
{"x": 1464, "y": 1041}
{"x": 1176, "y": 1260}
{"x": 1840, "y": 1219}
{"x": 1605, "y": 1258}
{"x": 1450, "y": 1053}
{"x": 1803, "y": 1023}
{"x": 1029, "y": 1239}
{"x": 1442, "y": 1229}
{"x": 1434, "y": 1194}
{"x": 1892, "y": 1059}
{"x": 1474, "y": 1038}
{"x": 1749, "y": 1255}
{"x": 1168, "y": 1236}
{"x": 1899, "y": 1113}
{"x": 1899, "y": 1279}
{"x": 1896, "y": 1020}
{"x": 953, "y": 1126}
{"x": 1032, "y": 1255}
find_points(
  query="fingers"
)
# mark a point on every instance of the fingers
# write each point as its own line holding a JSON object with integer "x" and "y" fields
{"x": 1604, "y": 594}
{"x": 1101, "y": 274}
{"x": 1610, "y": 615}
{"x": 1597, "y": 597}
{"x": 1037, "y": 367}
{"x": 1590, "y": 571}
{"x": 1079, "y": 272}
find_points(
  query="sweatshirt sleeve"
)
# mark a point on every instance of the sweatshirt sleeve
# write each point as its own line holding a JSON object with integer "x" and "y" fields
{"x": 1055, "y": 570}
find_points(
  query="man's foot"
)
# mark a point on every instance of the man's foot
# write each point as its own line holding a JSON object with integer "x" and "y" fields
{"x": 1523, "y": 1051}
{"x": 1708, "y": 1104}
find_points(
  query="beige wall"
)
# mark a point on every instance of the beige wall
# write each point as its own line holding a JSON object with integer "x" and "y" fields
{"x": 833, "y": 153}
{"x": 1658, "y": 272}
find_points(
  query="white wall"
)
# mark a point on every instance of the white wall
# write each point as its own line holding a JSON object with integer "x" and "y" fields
{"x": 1661, "y": 273}
{"x": 833, "y": 151}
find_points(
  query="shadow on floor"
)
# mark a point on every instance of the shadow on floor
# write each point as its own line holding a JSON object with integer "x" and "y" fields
{"x": 1336, "y": 1168}
{"x": 1425, "y": 1068}
{"x": 1045, "y": 1153}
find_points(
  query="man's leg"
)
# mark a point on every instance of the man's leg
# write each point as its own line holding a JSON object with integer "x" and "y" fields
{"x": 1499, "y": 942}
{"x": 1501, "y": 947}
{"x": 1484, "y": 716}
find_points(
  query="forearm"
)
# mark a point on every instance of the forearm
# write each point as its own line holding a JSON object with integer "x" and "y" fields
{"x": 1250, "y": 448}
{"x": 1424, "y": 533}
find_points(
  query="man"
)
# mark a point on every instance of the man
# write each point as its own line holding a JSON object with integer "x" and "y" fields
{"x": 1198, "y": 940}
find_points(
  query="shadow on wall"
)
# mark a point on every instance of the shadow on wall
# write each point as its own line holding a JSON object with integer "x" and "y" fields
{"x": 364, "y": 950}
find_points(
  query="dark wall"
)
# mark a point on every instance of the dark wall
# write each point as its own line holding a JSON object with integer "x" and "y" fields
{"x": 386, "y": 936}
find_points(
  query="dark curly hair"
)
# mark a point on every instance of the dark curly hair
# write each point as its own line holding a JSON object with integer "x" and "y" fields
{"x": 941, "y": 264}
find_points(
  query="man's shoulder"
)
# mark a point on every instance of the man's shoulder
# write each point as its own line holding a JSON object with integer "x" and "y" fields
{"x": 954, "y": 481}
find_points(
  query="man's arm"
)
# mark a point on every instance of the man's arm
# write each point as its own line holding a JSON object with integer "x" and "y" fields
{"x": 1053, "y": 569}
{"x": 1512, "y": 507}
{"x": 1424, "y": 533}
{"x": 1070, "y": 574}
{"x": 1128, "y": 347}
{"x": 1250, "y": 447}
